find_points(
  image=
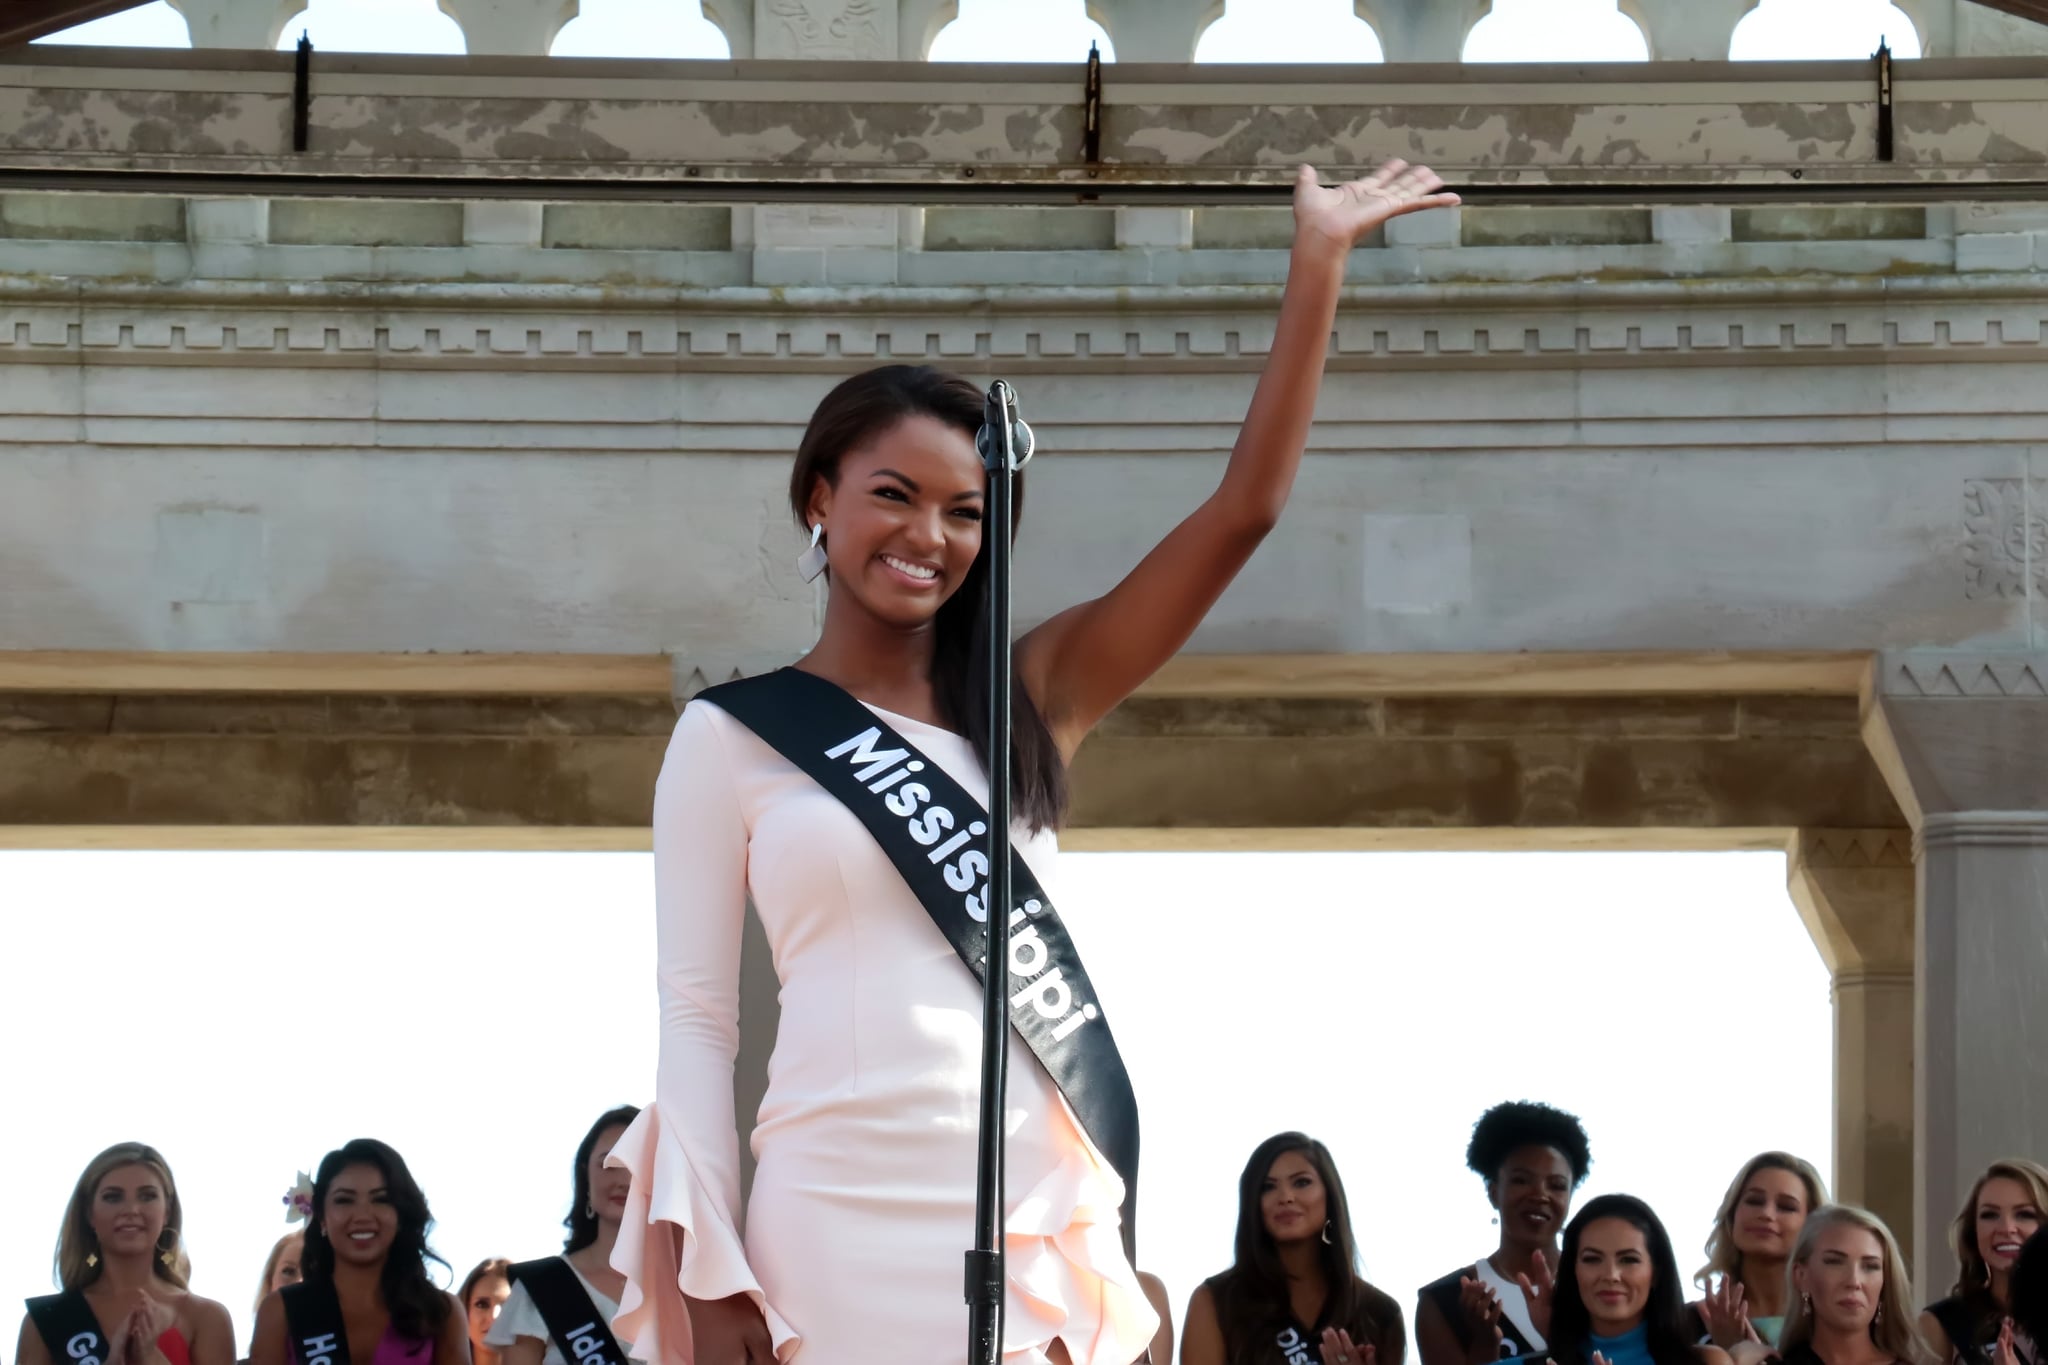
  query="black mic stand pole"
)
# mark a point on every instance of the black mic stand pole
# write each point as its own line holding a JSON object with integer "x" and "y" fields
{"x": 1001, "y": 439}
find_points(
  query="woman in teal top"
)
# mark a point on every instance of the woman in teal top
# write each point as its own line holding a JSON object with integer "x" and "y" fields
{"x": 1745, "y": 1275}
{"x": 1617, "y": 1300}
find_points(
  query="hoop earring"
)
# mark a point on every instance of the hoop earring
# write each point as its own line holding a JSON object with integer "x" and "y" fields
{"x": 1328, "y": 1241}
{"x": 589, "y": 1209}
{"x": 811, "y": 562}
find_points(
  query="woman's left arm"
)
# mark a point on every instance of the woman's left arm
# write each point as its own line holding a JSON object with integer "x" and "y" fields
{"x": 1081, "y": 663}
{"x": 451, "y": 1344}
{"x": 213, "y": 1335}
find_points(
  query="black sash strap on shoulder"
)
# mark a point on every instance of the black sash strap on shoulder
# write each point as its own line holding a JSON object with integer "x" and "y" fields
{"x": 934, "y": 832}
{"x": 578, "y": 1327}
{"x": 70, "y": 1331}
{"x": 1295, "y": 1347}
{"x": 312, "y": 1315}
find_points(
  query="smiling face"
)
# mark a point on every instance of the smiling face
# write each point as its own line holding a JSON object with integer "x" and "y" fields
{"x": 1532, "y": 1191}
{"x": 1769, "y": 1214}
{"x": 1615, "y": 1275}
{"x": 2006, "y": 1217}
{"x": 358, "y": 1217}
{"x": 903, "y": 519}
{"x": 1843, "y": 1276}
{"x": 128, "y": 1211}
{"x": 608, "y": 1185}
{"x": 1293, "y": 1202}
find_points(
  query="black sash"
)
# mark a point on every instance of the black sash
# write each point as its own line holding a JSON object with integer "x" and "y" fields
{"x": 70, "y": 1332}
{"x": 1296, "y": 1347}
{"x": 855, "y": 756}
{"x": 579, "y": 1329}
{"x": 312, "y": 1315}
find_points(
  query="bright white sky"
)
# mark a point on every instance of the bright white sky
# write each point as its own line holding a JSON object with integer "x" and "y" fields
{"x": 245, "y": 1012}
{"x": 1060, "y": 31}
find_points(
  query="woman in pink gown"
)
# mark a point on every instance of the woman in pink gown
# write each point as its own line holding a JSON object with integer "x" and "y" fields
{"x": 863, "y": 1194}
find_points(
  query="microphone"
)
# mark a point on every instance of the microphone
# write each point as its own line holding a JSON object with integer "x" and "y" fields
{"x": 999, "y": 411}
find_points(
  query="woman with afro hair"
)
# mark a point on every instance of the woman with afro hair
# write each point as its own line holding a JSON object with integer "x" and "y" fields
{"x": 1532, "y": 1158}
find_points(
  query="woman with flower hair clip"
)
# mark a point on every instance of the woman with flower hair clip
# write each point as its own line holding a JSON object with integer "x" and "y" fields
{"x": 121, "y": 1263}
{"x": 365, "y": 1297}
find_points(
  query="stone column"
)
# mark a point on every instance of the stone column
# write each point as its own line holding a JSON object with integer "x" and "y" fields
{"x": 1688, "y": 30}
{"x": 256, "y": 24}
{"x": 1854, "y": 890}
{"x": 506, "y": 28}
{"x": 797, "y": 244}
{"x": 1154, "y": 31}
{"x": 1962, "y": 740}
{"x": 215, "y": 228}
{"x": 1423, "y": 30}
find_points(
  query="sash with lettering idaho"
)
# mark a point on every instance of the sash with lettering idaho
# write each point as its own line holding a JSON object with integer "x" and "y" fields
{"x": 312, "y": 1316}
{"x": 932, "y": 830}
{"x": 578, "y": 1327}
{"x": 70, "y": 1331}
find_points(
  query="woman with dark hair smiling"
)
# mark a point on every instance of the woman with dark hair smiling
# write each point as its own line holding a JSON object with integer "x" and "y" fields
{"x": 553, "y": 1298}
{"x": 1617, "y": 1300}
{"x": 841, "y": 797}
{"x": 364, "y": 1297}
{"x": 1532, "y": 1157}
{"x": 1293, "y": 1295}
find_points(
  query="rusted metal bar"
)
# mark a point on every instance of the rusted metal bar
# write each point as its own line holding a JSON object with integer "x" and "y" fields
{"x": 472, "y": 128}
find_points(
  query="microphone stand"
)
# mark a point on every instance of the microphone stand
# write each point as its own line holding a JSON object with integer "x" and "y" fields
{"x": 1000, "y": 440}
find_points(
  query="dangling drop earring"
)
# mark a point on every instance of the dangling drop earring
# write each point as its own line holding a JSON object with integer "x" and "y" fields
{"x": 589, "y": 1210}
{"x": 1327, "y": 1240}
{"x": 92, "y": 1260}
{"x": 811, "y": 562}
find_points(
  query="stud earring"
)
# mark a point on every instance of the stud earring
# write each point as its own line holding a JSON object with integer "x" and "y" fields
{"x": 811, "y": 562}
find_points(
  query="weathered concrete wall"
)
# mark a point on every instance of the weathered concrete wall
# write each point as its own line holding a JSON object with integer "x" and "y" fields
{"x": 1743, "y": 467}
{"x": 1447, "y": 764}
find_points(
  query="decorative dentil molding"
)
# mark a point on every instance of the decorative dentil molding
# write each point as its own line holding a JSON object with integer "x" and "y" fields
{"x": 357, "y": 323}
{"x": 1963, "y": 675}
{"x": 1853, "y": 849}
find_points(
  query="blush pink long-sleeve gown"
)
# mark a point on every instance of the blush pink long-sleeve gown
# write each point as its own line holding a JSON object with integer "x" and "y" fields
{"x": 863, "y": 1198}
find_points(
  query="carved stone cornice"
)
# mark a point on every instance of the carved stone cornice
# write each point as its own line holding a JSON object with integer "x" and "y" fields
{"x": 351, "y": 322}
{"x": 1962, "y": 739}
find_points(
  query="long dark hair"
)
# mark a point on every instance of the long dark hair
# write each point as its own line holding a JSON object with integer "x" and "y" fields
{"x": 1571, "y": 1326}
{"x": 418, "y": 1309}
{"x": 1251, "y": 1297}
{"x": 582, "y": 1219}
{"x": 860, "y": 408}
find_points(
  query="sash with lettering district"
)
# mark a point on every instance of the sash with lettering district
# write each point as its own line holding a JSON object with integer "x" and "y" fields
{"x": 70, "y": 1331}
{"x": 931, "y": 829}
{"x": 578, "y": 1327}
{"x": 312, "y": 1320}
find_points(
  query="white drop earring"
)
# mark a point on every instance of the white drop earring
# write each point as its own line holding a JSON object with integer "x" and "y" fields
{"x": 811, "y": 562}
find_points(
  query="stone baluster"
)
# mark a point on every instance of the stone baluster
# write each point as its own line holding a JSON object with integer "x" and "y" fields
{"x": 1688, "y": 30}
{"x": 215, "y": 226}
{"x": 1854, "y": 890}
{"x": 1153, "y": 31}
{"x": 506, "y": 28}
{"x": 1962, "y": 740}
